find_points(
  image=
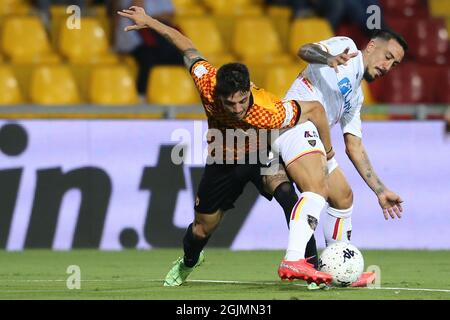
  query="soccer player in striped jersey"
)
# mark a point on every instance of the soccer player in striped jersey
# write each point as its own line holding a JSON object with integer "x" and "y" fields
{"x": 232, "y": 102}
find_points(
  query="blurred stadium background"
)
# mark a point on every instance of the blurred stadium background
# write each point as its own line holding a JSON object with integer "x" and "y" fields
{"x": 82, "y": 148}
{"x": 43, "y": 63}
{"x": 77, "y": 81}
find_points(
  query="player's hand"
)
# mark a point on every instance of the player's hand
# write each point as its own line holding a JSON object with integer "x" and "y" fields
{"x": 340, "y": 59}
{"x": 138, "y": 15}
{"x": 390, "y": 202}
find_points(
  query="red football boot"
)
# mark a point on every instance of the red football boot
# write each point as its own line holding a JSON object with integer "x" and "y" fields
{"x": 364, "y": 280}
{"x": 301, "y": 269}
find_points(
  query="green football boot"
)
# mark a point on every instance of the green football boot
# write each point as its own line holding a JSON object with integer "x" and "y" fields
{"x": 179, "y": 272}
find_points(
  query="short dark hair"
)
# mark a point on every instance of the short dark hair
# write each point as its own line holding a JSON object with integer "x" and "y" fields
{"x": 232, "y": 78}
{"x": 388, "y": 34}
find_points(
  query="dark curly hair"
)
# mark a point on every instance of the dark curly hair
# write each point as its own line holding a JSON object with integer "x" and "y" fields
{"x": 232, "y": 78}
{"x": 388, "y": 34}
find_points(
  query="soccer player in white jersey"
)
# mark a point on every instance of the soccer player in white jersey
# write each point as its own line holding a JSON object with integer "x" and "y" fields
{"x": 333, "y": 77}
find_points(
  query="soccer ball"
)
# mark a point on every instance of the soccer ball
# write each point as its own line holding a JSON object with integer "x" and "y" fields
{"x": 343, "y": 261}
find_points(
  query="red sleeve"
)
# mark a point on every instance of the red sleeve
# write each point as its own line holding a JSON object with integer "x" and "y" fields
{"x": 204, "y": 76}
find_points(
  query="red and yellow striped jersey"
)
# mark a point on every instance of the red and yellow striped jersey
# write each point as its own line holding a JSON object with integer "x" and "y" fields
{"x": 266, "y": 112}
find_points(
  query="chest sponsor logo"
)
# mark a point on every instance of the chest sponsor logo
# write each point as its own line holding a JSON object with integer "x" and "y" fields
{"x": 345, "y": 87}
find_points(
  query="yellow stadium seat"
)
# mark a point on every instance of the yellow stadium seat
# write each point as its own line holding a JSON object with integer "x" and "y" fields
{"x": 53, "y": 85}
{"x": 23, "y": 74}
{"x": 86, "y": 45}
{"x": 308, "y": 30}
{"x": 256, "y": 40}
{"x": 440, "y": 8}
{"x": 280, "y": 78}
{"x": 171, "y": 85}
{"x": 24, "y": 40}
{"x": 368, "y": 97}
{"x": 226, "y": 25}
{"x": 14, "y": 7}
{"x": 112, "y": 85}
{"x": 9, "y": 87}
{"x": 100, "y": 12}
{"x": 228, "y": 3}
{"x": 209, "y": 43}
{"x": 185, "y": 3}
{"x": 234, "y": 7}
{"x": 191, "y": 8}
{"x": 282, "y": 12}
{"x": 257, "y": 72}
{"x": 82, "y": 74}
{"x": 131, "y": 64}
{"x": 59, "y": 16}
{"x": 281, "y": 20}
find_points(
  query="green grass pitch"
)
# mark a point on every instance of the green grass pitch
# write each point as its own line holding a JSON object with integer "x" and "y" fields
{"x": 250, "y": 275}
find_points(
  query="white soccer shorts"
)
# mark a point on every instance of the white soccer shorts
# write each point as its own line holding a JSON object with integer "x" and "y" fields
{"x": 297, "y": 142}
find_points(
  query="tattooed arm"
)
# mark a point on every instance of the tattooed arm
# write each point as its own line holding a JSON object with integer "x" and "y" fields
{"x": 389, "y": 201}
{"x": 181, "y": 42}
{"x": 313, "y": 53}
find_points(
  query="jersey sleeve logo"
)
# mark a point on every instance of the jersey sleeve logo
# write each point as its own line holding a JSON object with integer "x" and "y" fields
{"x": 200, "y": 71}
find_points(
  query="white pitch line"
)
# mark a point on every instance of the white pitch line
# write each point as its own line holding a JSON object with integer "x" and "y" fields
{"x": 412, "y": 289}
{"x": 304, "y": 285}
{"x": 223, "y": 282}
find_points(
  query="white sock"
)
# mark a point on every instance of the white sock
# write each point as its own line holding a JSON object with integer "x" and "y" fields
{"x": 304, "y": 220}
{"x": 337, "y": 225}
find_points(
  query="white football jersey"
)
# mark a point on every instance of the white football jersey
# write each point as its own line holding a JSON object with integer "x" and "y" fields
{"x": 340, "y": 93}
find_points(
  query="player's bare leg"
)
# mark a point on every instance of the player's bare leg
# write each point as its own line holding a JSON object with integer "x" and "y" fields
{"x": 195, "y": 239}
{"x": 309, "y": 173}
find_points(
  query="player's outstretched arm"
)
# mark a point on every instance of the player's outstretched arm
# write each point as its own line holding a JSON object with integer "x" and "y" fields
{"x": 313, "y": 53}
{"x": 181, "y": 42}
{"x": 389, "y": 201}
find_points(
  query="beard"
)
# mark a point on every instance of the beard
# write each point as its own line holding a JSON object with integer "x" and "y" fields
{"x": 367, "y": 76}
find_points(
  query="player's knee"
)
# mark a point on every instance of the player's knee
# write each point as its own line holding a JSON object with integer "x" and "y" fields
{"x": 344, "y": 201}
{"x": 320, "y": 187}
{"x": 277, "y": 182}
{"x": 347, "y": 200}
